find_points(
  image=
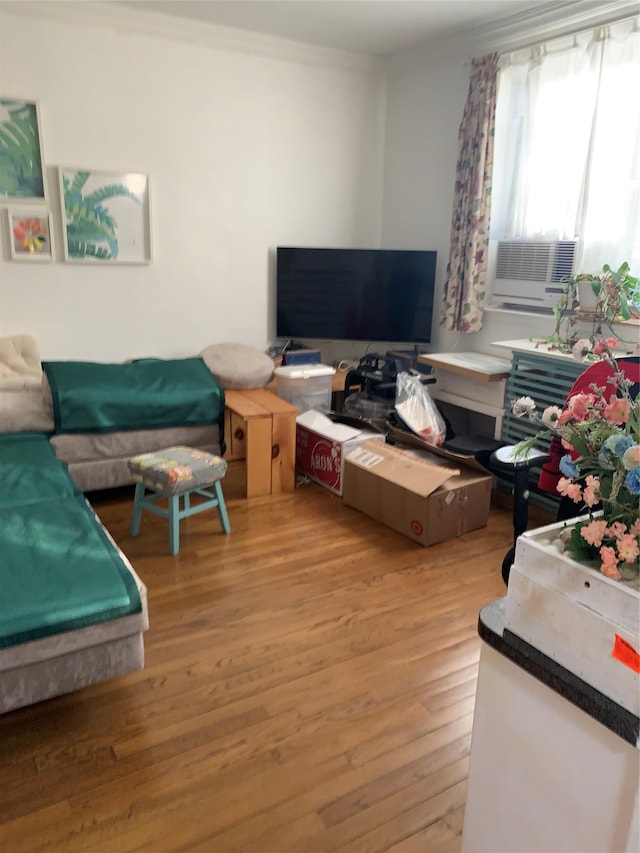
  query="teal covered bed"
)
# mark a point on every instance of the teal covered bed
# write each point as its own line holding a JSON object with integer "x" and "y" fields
{"x": 72, "y": 610}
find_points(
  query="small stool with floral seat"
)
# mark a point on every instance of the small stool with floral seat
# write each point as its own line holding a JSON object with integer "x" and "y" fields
{"x": 175, "y": 474}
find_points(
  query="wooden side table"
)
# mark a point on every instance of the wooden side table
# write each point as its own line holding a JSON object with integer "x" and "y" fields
{"x": 260, "y": 428}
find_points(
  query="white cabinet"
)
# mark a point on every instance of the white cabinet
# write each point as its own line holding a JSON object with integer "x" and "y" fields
{"x": 545, "y": 777}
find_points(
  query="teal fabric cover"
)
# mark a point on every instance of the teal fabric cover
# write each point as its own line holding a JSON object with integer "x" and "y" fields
{"x": 27, "y": 473}
{"x": 143, "y": 394}
{"x": 58, "y": 569}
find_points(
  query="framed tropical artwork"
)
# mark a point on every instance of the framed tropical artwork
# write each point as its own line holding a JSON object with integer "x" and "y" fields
{"x": 22, "y": 175}
{"x": 105, "y": 216}
{"x": 30, "y": 235}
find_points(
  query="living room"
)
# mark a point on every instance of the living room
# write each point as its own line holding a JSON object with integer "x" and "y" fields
{"x": 249, "y": 142}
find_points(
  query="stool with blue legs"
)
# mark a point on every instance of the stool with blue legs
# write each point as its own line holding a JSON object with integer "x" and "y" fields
{"x": 174, "y": 474}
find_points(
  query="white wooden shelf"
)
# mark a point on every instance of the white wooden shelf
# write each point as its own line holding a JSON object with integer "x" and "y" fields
{"x": 475, "y": 365}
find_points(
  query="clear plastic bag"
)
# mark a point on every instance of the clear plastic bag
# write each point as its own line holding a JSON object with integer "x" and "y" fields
{"x": 418, "y": 411}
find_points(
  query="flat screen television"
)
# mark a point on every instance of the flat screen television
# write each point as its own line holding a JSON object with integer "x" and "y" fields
{"x": 355, "y": 294}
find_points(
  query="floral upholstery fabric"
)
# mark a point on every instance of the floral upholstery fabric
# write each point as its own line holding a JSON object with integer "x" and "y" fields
{"x": 177, "y": 469}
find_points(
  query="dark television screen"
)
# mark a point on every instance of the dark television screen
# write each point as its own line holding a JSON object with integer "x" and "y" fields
{"x": 355, "y": 294}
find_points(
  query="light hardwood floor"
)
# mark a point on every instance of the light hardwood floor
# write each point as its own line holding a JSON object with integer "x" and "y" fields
{"x": 309, "y": 686}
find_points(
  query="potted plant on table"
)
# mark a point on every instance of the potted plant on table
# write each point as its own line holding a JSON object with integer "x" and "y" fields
{"x": 609, "y": 297}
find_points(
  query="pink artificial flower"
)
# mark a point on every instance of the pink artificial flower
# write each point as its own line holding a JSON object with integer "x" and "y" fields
{"x": 628, "y": 548}
{"x": 609, "y": 566}
{"x": 590, "y": 492}
{"x": 580, "y": 405}
{"x": 569, "y": 489}
{"x": 604, "y": 345}
{"x": 617, "y": 529}
{"x": 574, "y": 492}
{"x": 635, "y": 528}
{"x": 594, "y": 532}
{"x": 566, "y": 444}
{"x": 618, "y": 411}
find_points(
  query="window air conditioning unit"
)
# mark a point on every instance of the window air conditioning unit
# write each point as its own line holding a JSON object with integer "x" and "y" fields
{"x": 529, "y": 273}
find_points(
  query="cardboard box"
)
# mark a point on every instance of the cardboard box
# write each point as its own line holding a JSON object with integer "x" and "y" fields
{"x": 321, "y": 447}
{"x": 415, "y": 492}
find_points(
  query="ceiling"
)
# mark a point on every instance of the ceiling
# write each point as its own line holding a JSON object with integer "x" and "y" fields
{"x": 374, "y": 27}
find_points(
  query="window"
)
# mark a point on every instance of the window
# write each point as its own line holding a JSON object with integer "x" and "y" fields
{"x": 567, "y": 146}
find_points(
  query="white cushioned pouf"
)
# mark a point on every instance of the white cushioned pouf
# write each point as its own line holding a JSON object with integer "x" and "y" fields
{"x": 238, "y": 366}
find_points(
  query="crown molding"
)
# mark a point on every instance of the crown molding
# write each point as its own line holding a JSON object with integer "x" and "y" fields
{"x": 118, "y": 18}
{"x": 552, "y": 20}
{"x": 543, "y": 23}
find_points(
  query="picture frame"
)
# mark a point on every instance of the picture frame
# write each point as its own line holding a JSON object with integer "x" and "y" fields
{"x": 22, "y": 170}
{"x": 106, "y": 216}
{"x": 30, "y": 235}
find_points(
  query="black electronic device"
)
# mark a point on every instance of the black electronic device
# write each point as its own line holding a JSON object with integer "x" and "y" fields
{"x": 375, "y": 380}
{"x": 375, "y": 375}
{"x": 375, "y": 295}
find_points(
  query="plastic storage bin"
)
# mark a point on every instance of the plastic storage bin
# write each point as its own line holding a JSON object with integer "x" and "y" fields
{"x": 307, "y": 386}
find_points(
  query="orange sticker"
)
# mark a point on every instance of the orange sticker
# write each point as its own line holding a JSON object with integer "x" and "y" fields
{"x": 626, "y": 654}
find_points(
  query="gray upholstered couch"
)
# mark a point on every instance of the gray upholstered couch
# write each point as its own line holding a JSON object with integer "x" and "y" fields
{"x": 99, "y": 460}
{"x": 96, "y": 460}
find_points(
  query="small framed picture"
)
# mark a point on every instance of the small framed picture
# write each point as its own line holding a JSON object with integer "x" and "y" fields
{"x": 22, "y": 174}
{"x": 30, "y": 235}
{"x": 105, "y": 216}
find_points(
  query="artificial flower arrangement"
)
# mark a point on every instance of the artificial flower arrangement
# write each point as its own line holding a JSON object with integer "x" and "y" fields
{"x": 600, "y": 430}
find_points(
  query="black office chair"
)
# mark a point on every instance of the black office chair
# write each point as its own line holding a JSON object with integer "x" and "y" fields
{"x": 503, "y": 461}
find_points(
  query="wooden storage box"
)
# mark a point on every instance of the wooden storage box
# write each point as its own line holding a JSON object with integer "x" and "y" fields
{"x": 260, "y": 428}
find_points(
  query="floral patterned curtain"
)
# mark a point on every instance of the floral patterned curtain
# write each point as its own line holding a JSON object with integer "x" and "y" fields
{"x": 465, "y": 285}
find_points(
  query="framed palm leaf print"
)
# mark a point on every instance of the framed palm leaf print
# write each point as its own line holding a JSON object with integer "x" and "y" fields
{"x": 22, "y": 175}
{"x": 105, "y": 216}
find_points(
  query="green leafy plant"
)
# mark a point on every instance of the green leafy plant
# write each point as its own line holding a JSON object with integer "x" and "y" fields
{"x": 616, "y": 298}
{"x": 617, "y": 293}
{"x": 91, "y": 229}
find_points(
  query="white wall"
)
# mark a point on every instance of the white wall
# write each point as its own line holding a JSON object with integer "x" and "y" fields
{"x": 244, "y": 150}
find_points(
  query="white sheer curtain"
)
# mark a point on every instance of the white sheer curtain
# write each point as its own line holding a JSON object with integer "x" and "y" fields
{"x": 567, "y": 147}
